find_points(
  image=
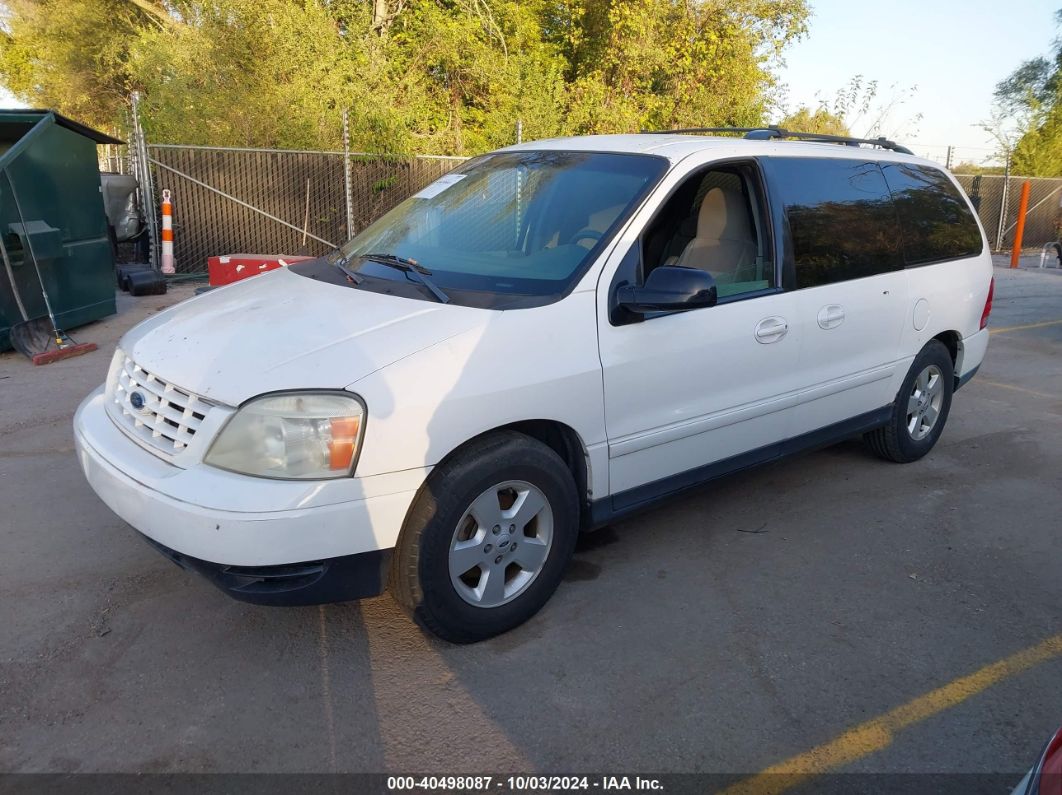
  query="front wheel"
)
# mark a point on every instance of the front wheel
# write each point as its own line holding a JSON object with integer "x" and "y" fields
{"x": 920, "y": 410}
{"x": 488, "y": 538}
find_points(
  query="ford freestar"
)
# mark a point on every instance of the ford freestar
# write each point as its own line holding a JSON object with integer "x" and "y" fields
{"x": 551, "y": 336}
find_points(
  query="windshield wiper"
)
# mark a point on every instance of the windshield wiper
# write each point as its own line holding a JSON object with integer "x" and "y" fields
{"x": 412, "y": 267}
{"x": 353, "y": 276}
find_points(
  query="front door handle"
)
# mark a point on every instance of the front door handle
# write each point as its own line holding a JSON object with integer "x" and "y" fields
{"x": 771, "y": 329}
{"x": 831, "y": 316}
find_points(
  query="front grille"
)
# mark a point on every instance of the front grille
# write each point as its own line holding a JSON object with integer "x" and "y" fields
{"x": 168, "y": 416}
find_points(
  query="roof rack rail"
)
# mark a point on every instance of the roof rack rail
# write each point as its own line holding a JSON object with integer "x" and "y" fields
{"x": 773, "y": 132}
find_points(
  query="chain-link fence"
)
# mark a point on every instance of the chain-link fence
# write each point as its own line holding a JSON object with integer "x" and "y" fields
{"x": 997, "y": 197}
{"x": 268, "y": 201}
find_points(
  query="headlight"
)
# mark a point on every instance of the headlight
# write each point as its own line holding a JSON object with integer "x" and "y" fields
{"x": 117, "y": 361}
{"x": 303, "y": 436}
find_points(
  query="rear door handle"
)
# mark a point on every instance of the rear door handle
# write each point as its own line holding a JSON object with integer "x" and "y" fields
{"x": 771, "y": 329}
{"x": 831, "y": 316}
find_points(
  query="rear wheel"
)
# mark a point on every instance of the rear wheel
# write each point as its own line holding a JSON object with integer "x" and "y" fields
{"x": 920, "y": 410}
{"x": 488, "y": 538}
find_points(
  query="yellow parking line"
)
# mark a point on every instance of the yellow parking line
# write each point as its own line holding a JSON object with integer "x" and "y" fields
{"x": 1032, "y": 392}
{"x": 1005, "y": 329}
{"x": 877, "y": 733}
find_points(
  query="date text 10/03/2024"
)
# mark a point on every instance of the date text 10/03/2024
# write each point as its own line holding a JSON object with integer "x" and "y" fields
{"x": 521, "y": 783}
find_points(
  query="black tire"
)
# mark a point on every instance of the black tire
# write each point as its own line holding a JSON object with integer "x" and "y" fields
{"x": 124, "y": 271}
{"x": 894, "y": 440}
{"x": 420, "y": 573}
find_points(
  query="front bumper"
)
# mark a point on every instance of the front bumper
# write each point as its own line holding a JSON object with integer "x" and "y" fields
{"x": 313, "y": 582}
{"x": 247, "y": 534}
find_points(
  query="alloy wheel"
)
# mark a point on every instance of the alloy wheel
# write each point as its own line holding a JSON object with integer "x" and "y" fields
{"x": 924, "y": 402}
{"x": 501, "y": 543}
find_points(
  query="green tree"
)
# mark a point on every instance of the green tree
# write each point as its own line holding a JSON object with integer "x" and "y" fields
{"x": 969, "y": 167}
{"x": 261, "y": 73}
{"x": 1027, "y": 119}
{"x": 71, "y": 55}
{"x": 487, "y": 66}
{"x": 820, "y": 120}
{"x": 1038, "y": 152}
{"x": 856, "y": 109}
{"x": 432, "y": 76}
{"x": 656, "y": 64}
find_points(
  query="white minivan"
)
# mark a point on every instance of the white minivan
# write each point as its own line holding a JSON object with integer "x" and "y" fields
{"x": 550, "y": 337}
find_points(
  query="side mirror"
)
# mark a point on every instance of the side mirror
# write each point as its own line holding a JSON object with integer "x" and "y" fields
{"x": 669, "y": 288}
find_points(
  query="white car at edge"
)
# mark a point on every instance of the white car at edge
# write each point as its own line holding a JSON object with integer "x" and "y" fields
{"x": 553, "y": 335}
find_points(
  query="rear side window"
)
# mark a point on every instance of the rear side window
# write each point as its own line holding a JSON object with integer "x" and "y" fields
{"x": 842, "y": 220}
{"x": 936, "y": 221}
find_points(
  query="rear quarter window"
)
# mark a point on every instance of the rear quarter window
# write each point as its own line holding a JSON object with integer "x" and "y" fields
{"x": 935, "y": 220}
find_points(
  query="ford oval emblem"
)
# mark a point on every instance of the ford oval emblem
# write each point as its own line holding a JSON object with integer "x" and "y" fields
{"x": 136, "y": 400}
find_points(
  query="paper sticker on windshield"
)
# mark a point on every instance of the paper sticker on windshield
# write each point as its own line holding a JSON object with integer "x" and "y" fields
{"x": 437, "y": 187}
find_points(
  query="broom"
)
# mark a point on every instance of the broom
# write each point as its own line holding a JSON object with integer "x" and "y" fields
{"x": 33, "y": 338}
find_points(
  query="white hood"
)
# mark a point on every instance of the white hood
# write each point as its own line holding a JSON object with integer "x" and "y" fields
{"x": 280, "y": 330}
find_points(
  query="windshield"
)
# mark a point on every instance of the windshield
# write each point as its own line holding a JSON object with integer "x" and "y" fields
{"x": 508, "y": 229}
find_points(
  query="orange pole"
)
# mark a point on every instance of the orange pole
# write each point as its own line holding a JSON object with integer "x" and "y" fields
{"x": 1023, "y": 207}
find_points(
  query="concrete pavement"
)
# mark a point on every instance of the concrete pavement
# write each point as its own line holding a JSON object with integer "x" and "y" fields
{"x": 734, "y": 627}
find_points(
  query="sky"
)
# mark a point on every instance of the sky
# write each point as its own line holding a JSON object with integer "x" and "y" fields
{"x": 953, "y": 52}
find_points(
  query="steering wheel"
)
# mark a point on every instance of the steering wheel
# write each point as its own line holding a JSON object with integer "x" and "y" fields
{"x": 586, "y": 233}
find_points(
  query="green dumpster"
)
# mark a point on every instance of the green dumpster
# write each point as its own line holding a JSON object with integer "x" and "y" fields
{"x": 51, "y": 204}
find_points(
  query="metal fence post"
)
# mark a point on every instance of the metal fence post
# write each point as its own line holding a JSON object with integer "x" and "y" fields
{"x": 133, "y": 150}
{"x": 147, "y": 190}
{"x": 346, "y": 177}
{"x": 1003, "y": 205}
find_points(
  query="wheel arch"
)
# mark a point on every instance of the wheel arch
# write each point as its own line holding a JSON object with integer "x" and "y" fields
{"x": 560, "y": 437}
{"x": 565, "y": 441}
{"x": 953, "y": 342}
